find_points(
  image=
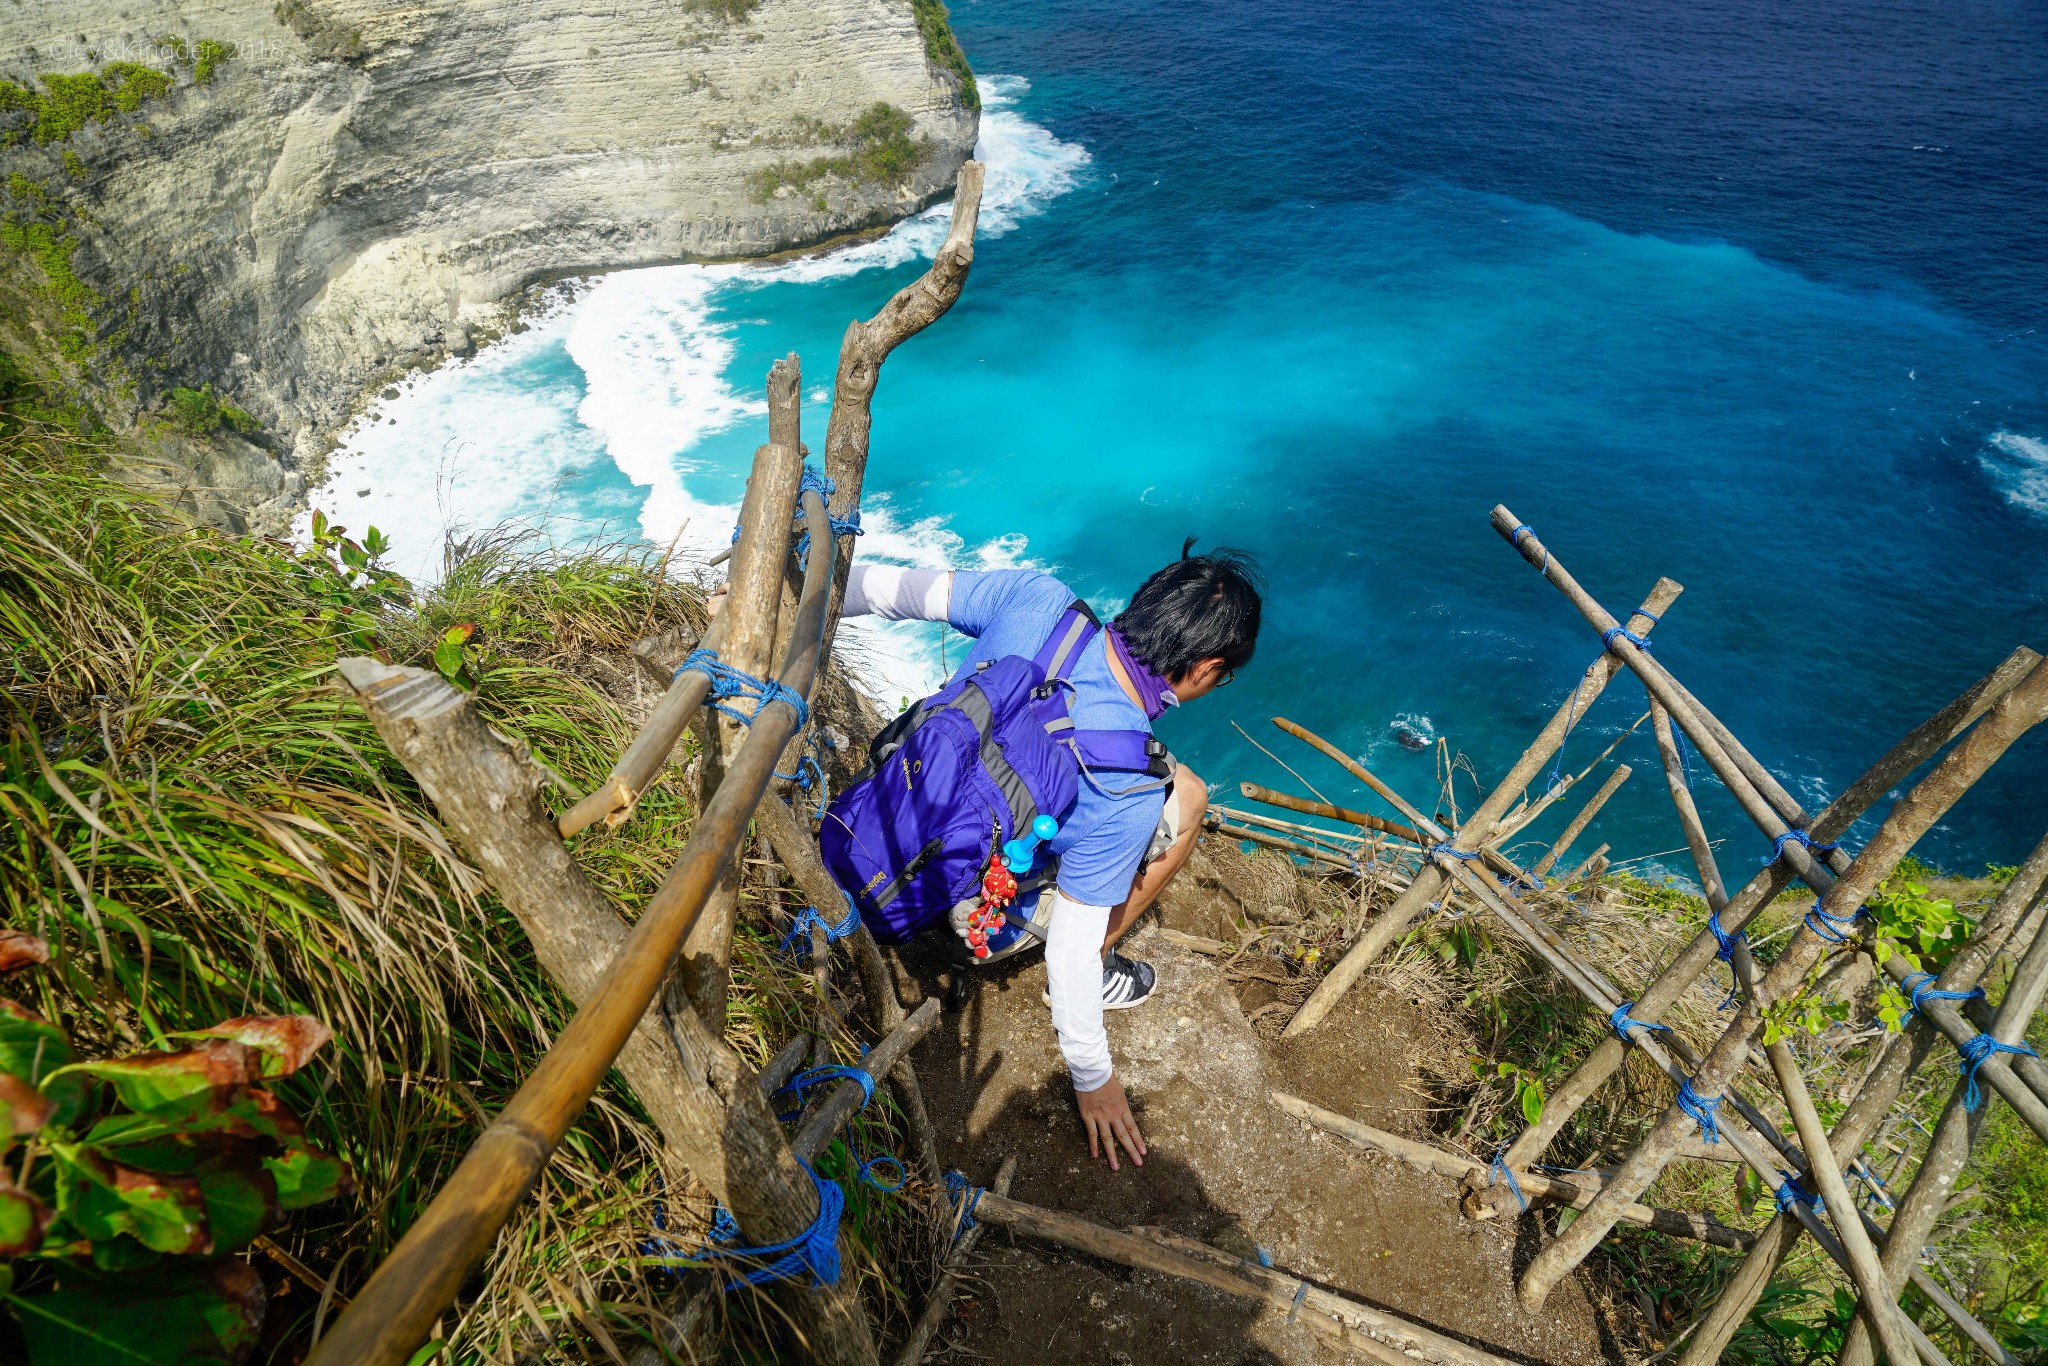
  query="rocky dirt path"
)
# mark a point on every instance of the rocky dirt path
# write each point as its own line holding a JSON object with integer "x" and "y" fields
{"x": 1227, "y": 1167}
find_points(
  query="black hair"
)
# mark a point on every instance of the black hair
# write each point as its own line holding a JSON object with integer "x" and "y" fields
{"x": 1199, "y": 607}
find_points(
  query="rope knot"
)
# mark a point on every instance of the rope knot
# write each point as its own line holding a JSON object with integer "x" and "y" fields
{"x": 1800, "y": 838}
{"x": 1976, "y": 1051}
{"x": 1499, "y": 1167}
{"x": 1702, "y": 1109}
{"x": 1624, "y": 1024}
{"x": 727, "y": 682}
{"x": 1726, "y": 953}
{"x": 1608, "y": 636}
{"x": 1790, "y": 1192}
{"x": 798, "y": 940}
{"x": 1920, "y": 989}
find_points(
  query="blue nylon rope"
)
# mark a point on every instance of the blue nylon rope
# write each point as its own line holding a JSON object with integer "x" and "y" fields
{"x": 1799, "y": 837}
{"x": 815, "y": 1250}
{"x": 1444, "y": 847}
{"x": 1621, "y": 1022}
{"x": 727, "y": 681}
{"x": 1726, "y": 953}
{"x": 959, "y": 1188}
{"x": 1919, "y": 987}
{"x": 867, "y": 1172}
{"x": 1829, "y": 926}
{"x": 848, "y": 525}
{"x": 1976, "y": 1051}
{"x": 1501, "y": 1168}
{"x": 1702, "y": 1109}
{"x": 1515, "y": 539}
{"x": 1791, "y": 1192}
{"x": 1684, "y": 758}
{"x": 1607, "y": 637}
{"x": 1869, "y": 1178}
{"x": 798, "y": 940}
{"x": 818, "y": 1076}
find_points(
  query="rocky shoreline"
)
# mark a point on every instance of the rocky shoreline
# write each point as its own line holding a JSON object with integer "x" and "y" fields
{"x": 345, "y": 191}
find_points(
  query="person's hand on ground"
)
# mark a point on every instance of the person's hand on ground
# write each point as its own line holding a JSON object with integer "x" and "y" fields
{"x": 1106, "y": 1112}
{"x": 714, "y": 602}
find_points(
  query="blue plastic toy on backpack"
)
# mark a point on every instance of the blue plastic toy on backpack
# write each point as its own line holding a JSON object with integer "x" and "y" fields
{"x": 966, "y": 771}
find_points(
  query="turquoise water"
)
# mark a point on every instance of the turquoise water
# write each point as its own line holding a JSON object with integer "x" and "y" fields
{"x": 1328, "y": 287}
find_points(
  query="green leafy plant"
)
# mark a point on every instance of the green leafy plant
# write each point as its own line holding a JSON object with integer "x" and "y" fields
{"x": 138, "y": 1174}
{"x": 1525, "y": 1086}
{"x": 451, "y": 659}
{"x": 879, "y": 150}
{"x": 349, "y": 585}
{"x": 207, "y": 57}
{"x": 942, "y": 48}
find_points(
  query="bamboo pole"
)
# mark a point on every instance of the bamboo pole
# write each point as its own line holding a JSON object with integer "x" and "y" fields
{"x": 2013, "y": 714}
{"x": 1328, "y": 812}
{"x": 1663, "y": 688}
{"x": 1539, "y": 1189}
{"x": 613, "y": 800}
{"x": 1329, "y": 1315}
{"x": 1415, "y": 1340}
{"x": 1583, "y": 819}
{"x": 846, "y": 1097}
{"x": 1698, "y": 955}
{"x": 1854, "y": 1250}
{"x": 1822, "y": 1168}
{"x": 396, "y": 1309}
{"x": 1336, "y": 840}
{"x": 2004, "y": 924}
{"x": 751, "y": 605}
{"x": 1955, "y": 1135}
{"x": 949, "y": 1275}
{"x": 1260, "y": 837}
{"x": 862, "y": 351}
{"x": 1594, "y": 865}
{"x": 1429, "y": 880}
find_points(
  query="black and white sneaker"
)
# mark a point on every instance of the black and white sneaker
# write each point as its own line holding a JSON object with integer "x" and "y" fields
{"x": 1126, "y": 982}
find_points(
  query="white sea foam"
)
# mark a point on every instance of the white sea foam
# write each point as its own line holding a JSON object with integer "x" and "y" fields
{"x": 477, "y": 443}
{"x": 2019, "y": 466}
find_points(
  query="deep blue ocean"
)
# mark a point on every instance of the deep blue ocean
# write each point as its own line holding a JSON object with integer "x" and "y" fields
{"x": 1746, "y": 294}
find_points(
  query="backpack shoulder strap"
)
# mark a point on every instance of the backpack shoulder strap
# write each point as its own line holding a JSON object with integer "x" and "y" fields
{"x": 1075, "y": 628}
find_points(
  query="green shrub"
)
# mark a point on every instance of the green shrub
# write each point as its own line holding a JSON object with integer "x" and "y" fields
{"x": 879, "y": 151}
{"x": 201, "y": 412}
{"x": 207, "y": 58}
{"x": 943, "y": 50}
{"x": 68, "y": 102}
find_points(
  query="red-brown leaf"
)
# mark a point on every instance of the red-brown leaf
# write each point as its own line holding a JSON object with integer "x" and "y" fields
{"x": 286, "y": 1041}
{"x": 21, "y": 950}
{"x": 23, "y": 1109}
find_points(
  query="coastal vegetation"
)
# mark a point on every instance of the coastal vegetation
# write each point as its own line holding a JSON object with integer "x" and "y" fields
{"x": 943, "y": 49}
{"x": 879, "y": 151}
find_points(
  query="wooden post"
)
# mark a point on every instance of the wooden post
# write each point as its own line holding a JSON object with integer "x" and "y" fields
{"x": 1664, "y": 689}
{"x": 2013, "y": 714}
{"x": 845, "y": 1097}
{"x": 1429, "y": 879}
{"x": 2005, "y": 924}
{"x": 1583, "y": 819}
{"x": 1699, "y": 954}
{"x": 1956, "y": 1133}
{"x": 1329, "y": 1315}
{"x": 867, "y": 344}
{"x": 700, "y": 1094}
{"x": 750, "y": 610}
{"x": 648, "y": 753}
{"x": 1329, "y": 812}
{"x": 949, "y": 1275}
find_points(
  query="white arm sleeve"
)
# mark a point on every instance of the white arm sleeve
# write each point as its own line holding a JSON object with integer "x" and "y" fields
{"x": 1073, "y": 973}
{"x": 881, "y": 590}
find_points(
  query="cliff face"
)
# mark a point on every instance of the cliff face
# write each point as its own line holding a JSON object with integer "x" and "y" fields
{"x": 362, "y": 185}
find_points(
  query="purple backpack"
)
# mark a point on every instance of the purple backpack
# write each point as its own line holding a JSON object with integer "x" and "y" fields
{"x": 964, "y": 771}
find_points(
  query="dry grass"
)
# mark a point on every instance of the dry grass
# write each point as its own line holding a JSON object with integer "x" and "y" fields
{"x": 203, "y": 827}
